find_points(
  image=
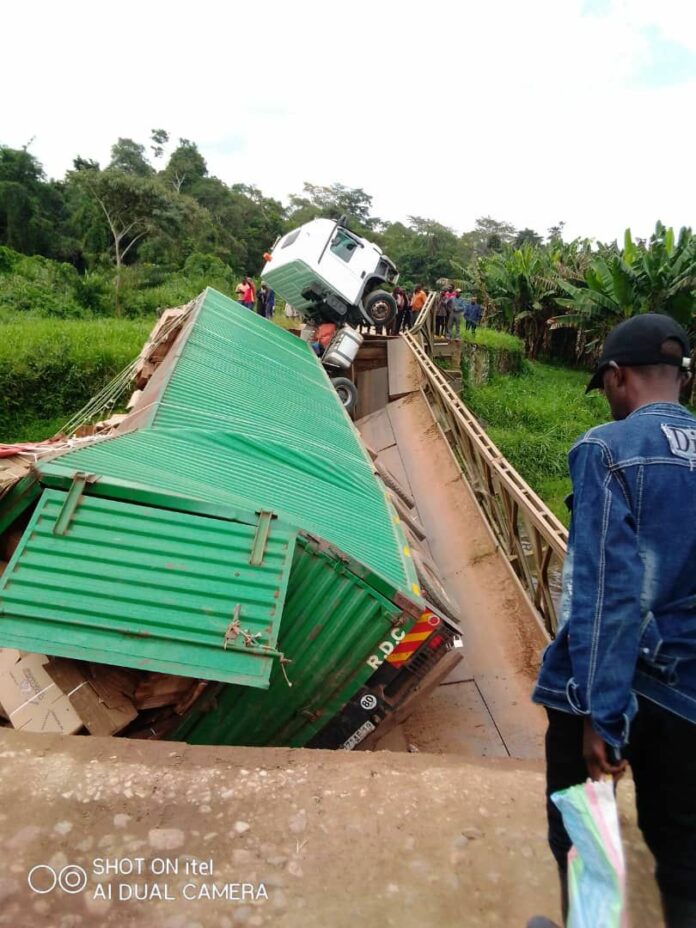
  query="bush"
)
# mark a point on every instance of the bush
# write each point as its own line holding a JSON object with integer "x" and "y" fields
{"x": 49, "y": 368}
{"x": 148, "y": 289}
{"x": 38, "y": 285}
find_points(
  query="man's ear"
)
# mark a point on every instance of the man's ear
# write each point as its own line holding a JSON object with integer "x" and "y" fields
{"x": 619, "y": 374}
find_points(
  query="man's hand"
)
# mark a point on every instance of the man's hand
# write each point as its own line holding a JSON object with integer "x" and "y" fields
{"x": 596, "y": 754}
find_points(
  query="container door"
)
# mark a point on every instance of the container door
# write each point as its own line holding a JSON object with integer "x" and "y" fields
{"x": 152, "y": 589}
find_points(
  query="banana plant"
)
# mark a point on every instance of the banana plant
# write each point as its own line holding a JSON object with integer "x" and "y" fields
{"x": 521, "y": 285}
{"x": 659, "y": 276}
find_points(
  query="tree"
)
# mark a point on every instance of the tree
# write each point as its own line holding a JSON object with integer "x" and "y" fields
{"x": 332, "y": 202}
{"x": 186, "y": 166}
{"x": 490, "y": 235}
{"x": 132, "y": 206}
{"x": 128, "y": 156}
{"x": 527, "y": 236}
{"x": 519, "y": 286}
{"x": 423, "y": 251}
{"x": 159, "y": 138}
{"x": 618, "y": 284}
{"x": 32, "y": 209}
{"x": 555, "y": 233}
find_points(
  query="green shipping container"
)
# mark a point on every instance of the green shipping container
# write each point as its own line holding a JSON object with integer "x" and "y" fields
{"x": 231, "y": 530}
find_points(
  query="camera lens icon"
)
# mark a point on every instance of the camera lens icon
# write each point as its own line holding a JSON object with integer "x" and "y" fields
{"x": 72, "y": 879}
{"x": 43, "y": 879}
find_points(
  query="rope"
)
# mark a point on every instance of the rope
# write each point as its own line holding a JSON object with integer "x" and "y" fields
{"x": 107, "y": 397}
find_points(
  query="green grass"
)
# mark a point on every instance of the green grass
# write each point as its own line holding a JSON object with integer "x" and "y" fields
{"x": 534, "y": 418}
{"x": 492, "y": 338}
{"x": 49, "y": 368}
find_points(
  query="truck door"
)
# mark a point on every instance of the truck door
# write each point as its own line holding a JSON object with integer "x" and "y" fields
{"x": 342, "y": 264}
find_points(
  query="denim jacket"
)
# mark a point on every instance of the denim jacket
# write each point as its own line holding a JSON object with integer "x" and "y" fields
{"x": 627, "y": 621}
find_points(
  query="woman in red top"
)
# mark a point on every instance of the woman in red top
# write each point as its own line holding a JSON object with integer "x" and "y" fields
{"x": 248, "y": 293}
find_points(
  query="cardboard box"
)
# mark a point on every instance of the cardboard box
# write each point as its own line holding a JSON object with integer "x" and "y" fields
{"x": 102, "y": 712}
{"x": 31, "y": 699}
{"x": 8, "y": 657}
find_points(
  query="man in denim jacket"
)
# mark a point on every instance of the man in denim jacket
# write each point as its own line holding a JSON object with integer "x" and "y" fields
{"x": 619, "y": 680}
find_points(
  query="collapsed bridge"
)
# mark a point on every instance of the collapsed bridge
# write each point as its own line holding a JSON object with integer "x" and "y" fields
{"x": 362, "y": 536}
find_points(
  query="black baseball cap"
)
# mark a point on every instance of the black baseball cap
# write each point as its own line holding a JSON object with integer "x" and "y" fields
{"x": 638, "y": 341}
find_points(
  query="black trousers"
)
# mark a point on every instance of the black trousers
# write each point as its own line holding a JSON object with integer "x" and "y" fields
{"x": 440, "y": 325}
{"x": 662, "y": 755}
{"x": 403, "y": 321}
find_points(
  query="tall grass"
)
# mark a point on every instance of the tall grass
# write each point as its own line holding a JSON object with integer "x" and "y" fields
{"x": 534, "y": 418}
{"x": 50, "y": 367}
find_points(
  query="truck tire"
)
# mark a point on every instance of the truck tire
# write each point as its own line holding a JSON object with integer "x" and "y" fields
{"x": 380, "y": 306}
{"x": 347, "y": 392}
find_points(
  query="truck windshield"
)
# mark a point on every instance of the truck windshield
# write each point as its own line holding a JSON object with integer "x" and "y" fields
{"x": 343, "y": 246}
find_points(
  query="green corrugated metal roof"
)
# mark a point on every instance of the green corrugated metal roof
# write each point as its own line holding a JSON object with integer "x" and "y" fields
{"x": 247, "y": 417}
{"x": 147, "y": 588}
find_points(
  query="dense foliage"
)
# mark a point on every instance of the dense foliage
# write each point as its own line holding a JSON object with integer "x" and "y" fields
{"x": 154, "y": 213}
{"x": 562, "y": 298}
{"x": 151, "y": 230}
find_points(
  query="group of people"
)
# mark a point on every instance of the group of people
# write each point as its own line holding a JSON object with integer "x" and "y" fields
{"x": 264, "y": 299}
{"x": 408, "y": 305}
{"x": 451, "y": 308}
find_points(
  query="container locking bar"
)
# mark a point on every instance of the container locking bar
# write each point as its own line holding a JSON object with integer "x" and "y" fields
{"x": 258, "y": 545}
{"x": 72, "y": 501}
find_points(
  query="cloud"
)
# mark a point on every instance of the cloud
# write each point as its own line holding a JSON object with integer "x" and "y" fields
{"x": 596, "y": 8}
{"x": 666, "y": 63}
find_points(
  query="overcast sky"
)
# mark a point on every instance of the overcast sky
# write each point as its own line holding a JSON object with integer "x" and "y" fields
{"x": 531, "y": 112}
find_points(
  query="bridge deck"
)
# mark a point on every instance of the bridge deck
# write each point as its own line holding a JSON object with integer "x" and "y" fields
{"x": 483, "y": 709}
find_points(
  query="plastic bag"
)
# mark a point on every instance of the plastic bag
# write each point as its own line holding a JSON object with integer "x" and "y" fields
{"x": 596, "y": 864}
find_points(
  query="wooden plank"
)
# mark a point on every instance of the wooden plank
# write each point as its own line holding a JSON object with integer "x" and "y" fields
{"x": 408, "y": 516}
{"x": 376, "y": 431}
{"x": 390, "y": 458}
{"x": 405, "y": 375}
{"x": 442, "y": 350}
{"x": 475, "y": 733}
{"x": 371, "y": 352}
{"x": 373, "y": 391}
{"x": 161, "y": 689}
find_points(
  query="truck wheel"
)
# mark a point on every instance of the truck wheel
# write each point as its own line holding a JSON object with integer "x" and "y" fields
{"x": 380, "y": 306}
{"x": 347, "y": 392}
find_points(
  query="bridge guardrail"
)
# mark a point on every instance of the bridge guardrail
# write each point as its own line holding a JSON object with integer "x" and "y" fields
{"x": 532, "y": 538}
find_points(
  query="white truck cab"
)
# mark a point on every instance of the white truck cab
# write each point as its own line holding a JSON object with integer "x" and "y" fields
{"x": 327, "y": 272}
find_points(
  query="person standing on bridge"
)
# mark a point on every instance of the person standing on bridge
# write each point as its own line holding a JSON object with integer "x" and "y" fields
{"x": 472, "y": 316}
{"x": 248, "y": 293}
{"x": 441, "y": 311}
{"x": 402, "y": 310}
{"x": 417, "y": 303}
{"x": 619, "y": 679}
{"x": 457, "y": 307}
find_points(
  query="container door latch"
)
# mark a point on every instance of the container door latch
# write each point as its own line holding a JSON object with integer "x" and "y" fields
{"x": 72, "y": 501}
{"x": 258, "y": 545}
